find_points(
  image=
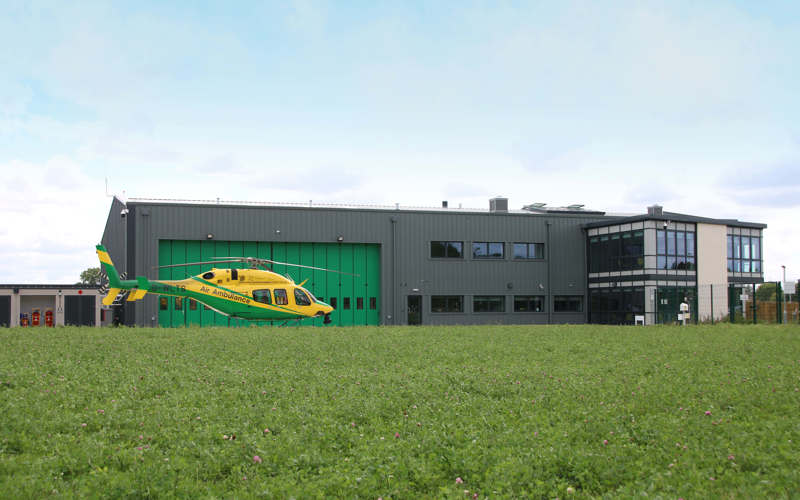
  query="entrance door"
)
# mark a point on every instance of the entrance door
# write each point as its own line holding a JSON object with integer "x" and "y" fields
{"x": 415, "y": 309}
{"x": 79, "y": 310}
{"x": 5, "y": 310}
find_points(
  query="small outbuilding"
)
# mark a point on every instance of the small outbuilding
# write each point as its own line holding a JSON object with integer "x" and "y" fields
{"x": 51, "y": 305}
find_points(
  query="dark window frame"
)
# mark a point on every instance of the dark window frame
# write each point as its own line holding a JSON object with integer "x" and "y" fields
{"x": 530, "y": 301}
{"x": 482, "y": 304}
{"x": 451, "y": 304}
{"x": 743, "y": 260}
{"x": 487, "y": 250}
{"x": 441, "y": 249}
{"x": 676, "y": 253}
{"x": 621, "y": 251}
{"x": 533, "y": 250}
{"x": 569, "y": 300}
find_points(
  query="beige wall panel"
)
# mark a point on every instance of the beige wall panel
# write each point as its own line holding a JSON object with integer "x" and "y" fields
{"x": 712, "y": 269}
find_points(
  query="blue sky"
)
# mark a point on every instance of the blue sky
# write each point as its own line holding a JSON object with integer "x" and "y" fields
{"x": 616, "y": 105}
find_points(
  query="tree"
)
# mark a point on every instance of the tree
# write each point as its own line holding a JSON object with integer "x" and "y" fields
{"x": 767, "y": 292}
{"x": 91, "y": 277}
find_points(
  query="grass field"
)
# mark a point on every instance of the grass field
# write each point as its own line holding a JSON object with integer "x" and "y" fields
{"x": 443, "y": 412}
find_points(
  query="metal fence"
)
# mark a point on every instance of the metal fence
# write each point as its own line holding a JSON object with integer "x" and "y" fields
{"x": 745, "y": 303}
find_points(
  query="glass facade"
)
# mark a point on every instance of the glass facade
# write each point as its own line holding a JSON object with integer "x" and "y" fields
{"x": 744, "y": 253}
{"x": 616, "y": 306}
{"x": 675, "y": 249}
{"x": 616, "y": 252}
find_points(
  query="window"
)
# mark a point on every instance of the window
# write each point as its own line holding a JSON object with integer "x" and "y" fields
{"x": 487, "y": 250}
{"x": 615, "y": 306}
{"x": 744, "y": 253}
{"x": 162, "y": 303}
{"x": 208, "y": 276}
{"x": 528, "y": 303}
{"x": 373, "y": 303}
{"x": 346, "y": 303}
{"x": 447, "y": 249}
{"x": 178, "y": 303}
{"x": 567, "y": 303}
{"x": 281, "y": 298}
{"x": 488, "y": 303}
{"x": 192, "y": 305}
{"x": 262, "y": 296}
{"x": 616, "y": 252}
{"x": 524, "y": 251}
{"x": 675, "y": 249}
{"x": 359, "y": 303}
{"x": 333, "y": 302}
{"x": 300, "y": 298}
{"x": 447, "y": 303}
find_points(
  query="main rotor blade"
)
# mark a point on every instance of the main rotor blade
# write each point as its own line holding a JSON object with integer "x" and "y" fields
{"x": 254, "y": 260}
{"x": 198, "y": 263}
{"x": 307, "y": 267}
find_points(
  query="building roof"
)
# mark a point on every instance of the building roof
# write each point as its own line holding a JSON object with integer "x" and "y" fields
{"x": 675, "y": 217}
{"x": 29, "y": 286}
{"x": 529, "y": 210}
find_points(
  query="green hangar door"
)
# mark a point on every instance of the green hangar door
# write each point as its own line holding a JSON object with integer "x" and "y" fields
{"x": 355, "y": 296}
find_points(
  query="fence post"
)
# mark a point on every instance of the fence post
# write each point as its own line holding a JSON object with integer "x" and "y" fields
{"x": 712, "y": 303}
{"x": 755, "y": 312}
{"x": 779, "y": 299}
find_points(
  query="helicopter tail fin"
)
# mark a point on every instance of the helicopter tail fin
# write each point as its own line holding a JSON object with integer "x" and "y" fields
{"x": 114, "y": 283}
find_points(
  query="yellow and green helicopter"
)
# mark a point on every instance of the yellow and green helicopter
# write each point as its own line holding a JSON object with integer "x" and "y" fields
{"x": 252, "y": 293}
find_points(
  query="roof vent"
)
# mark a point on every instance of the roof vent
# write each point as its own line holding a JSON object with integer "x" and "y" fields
{"x": 498, "y": 204}
{"x": 655, "y": 210}
{"x": 444, "y": 204}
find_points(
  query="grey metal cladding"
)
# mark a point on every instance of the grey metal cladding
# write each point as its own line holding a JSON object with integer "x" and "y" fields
{"x": 411, "y": 268}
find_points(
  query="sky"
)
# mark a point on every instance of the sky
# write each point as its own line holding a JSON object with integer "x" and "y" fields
{"x": 615, "y": 105}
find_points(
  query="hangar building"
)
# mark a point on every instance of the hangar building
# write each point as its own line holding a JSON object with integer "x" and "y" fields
{"x": 535, "y": 265}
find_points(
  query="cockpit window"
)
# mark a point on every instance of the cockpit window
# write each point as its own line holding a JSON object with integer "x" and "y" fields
{"x": 208, "y": 276}
{"x": 300, "y": 298}
{"x": 280, "y": 297}
{"x": 262, "y": 296}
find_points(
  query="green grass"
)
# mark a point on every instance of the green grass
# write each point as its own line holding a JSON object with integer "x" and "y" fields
{"x": 514, "y": 411}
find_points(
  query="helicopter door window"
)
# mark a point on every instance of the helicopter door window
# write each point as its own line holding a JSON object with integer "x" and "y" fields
{"x": 262, "y": 296}
{"x": 300, "y": 298}
{"x": 280, "y": 297}
{"x": 234, "y": 274}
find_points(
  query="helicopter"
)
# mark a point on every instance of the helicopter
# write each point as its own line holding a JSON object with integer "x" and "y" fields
{"x": 254, "y": 293}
